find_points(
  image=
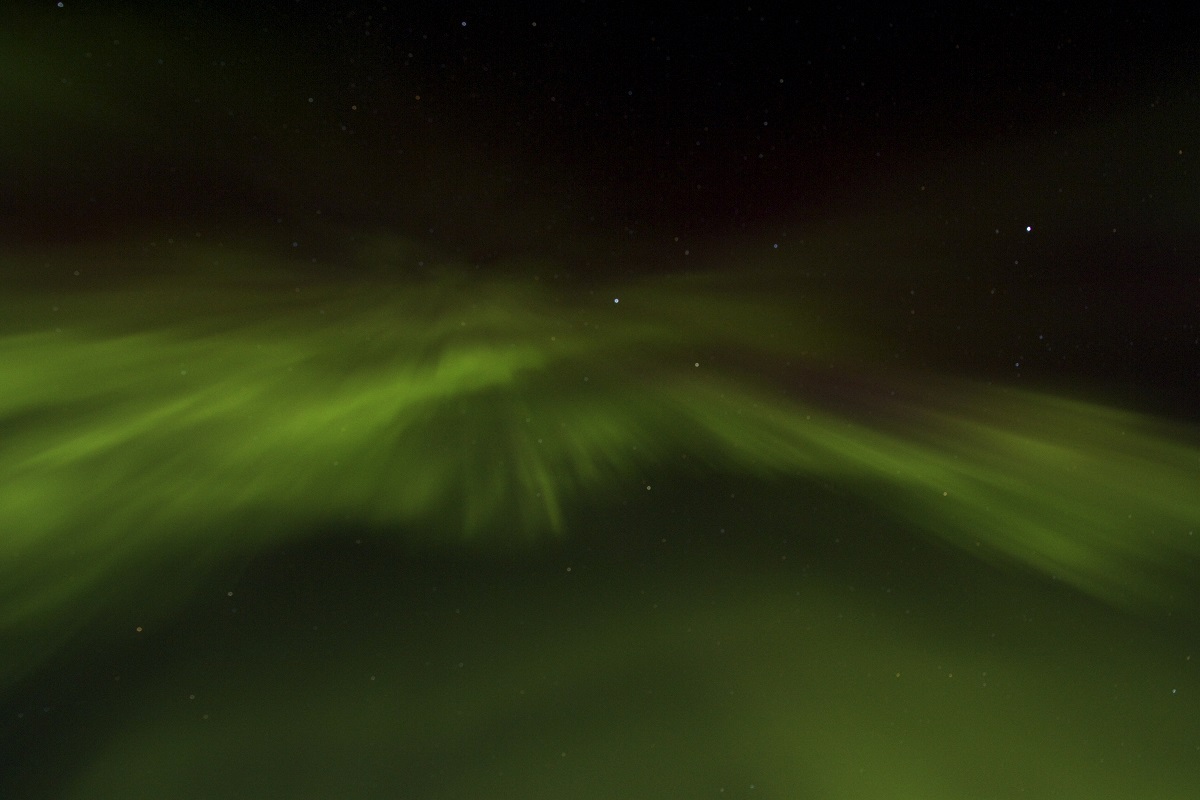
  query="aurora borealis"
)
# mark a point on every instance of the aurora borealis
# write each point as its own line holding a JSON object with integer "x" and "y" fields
{"x": 485, "y": 407}
{"x": 339, "y": 459}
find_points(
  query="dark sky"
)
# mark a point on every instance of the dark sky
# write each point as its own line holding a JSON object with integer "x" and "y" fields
{"x": 653, "y": 115}
{"x": 665, "y": 114}
{"x": 934, "y": 154}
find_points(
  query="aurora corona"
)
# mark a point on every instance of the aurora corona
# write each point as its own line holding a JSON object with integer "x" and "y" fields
{"x": 184, "y": 417}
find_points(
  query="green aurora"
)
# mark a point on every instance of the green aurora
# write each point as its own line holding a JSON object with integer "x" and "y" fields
{"x": 183, "y": 418}
{"x": 290, "y": 508}
{"x": 158, "y": 430}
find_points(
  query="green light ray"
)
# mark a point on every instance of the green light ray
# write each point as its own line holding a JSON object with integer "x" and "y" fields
{"x": 158, "y": 417}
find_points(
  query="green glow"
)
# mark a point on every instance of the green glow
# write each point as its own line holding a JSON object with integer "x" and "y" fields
{"x": 760, "y": 680}
{"x": 142, "y": 416}
{"x": 383, "y": 524}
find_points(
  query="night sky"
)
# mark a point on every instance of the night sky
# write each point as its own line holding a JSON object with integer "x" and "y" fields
{"x": 897, "y": 154}
{"x": 452, "y": 401}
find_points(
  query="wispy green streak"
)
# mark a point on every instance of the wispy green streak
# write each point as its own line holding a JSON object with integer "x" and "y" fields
{"x": 181, "y": 415}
